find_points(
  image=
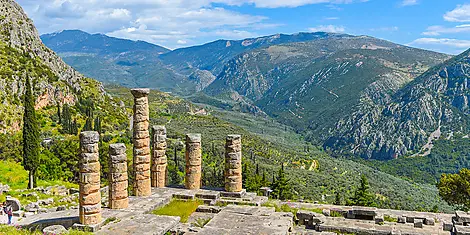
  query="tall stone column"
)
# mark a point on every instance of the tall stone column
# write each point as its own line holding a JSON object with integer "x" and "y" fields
{"x": 233, "y": 163}
{"x": 90, "y": 197}
{"x": 141, "y": 143}
{"x": 159, "y": 159}
{"x": 117, "y": 177}
{"x": 193, "y": 161}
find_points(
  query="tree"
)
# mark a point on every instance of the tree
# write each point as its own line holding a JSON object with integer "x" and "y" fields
{"x": 66, "y": 119}
{"x": 455, "y": 189}
{"x": 337, "y": 198}
{"x": 89, "y": 120}
{"x": 31, "y": 141}
{"x": 362, "y": 196}
{"x": 281, "y": 188}
{"x": 98, "y": 125}
{"x": 58, "y": 113}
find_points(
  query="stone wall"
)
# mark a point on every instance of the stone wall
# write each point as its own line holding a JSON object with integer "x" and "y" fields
{"x": 117, "y": 177}
{"x": 90, "y": 197}
{"x": 141, "y": 143}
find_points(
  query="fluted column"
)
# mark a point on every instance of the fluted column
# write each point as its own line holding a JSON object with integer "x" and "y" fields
{"x": 233, "y": 163}
{"x": 141, "y": 143}
{"x": 159, "y": 159}
{"x": 193, "y": 161}
{"x": 117, "y": 177}
{"x": 89, "y": 165}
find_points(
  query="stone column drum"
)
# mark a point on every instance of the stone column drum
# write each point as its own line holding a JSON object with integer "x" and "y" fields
{"x": 90, "y": 197}
{"x": 141, "y": 143}
{"x": 117, "y": 177}
{"x": 193, "y": 161}
{"x": 233, "y": 163}
{"x": 159, "y": 159}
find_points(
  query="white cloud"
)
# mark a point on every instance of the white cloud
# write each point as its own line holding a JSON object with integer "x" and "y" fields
{"x": 385, "y": 29}
{"x": 456, "y": 43}
{"x": 331, "y": 18}
{"x": 165, "y": 22}
{"x": 460, "y": 14}
{"x": 328, "y": 29}
{"x": 409, "y": 2}
{"x": 437, "y": 30}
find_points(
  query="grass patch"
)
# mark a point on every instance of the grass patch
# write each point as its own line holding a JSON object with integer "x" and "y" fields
{"x": 11, "y": 230}
{"x": 201, "y": 222}
{"x": 390, "y": 219}
{"x": 180, "y": 208}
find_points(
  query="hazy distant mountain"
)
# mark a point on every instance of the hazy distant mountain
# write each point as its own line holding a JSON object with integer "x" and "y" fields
{"x": 113, "y": 60}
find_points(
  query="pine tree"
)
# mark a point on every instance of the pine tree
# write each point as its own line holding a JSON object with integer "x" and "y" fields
{"x": 66, "y": 119}
{"x": 31, "y": 141}
{"x": 74, "y": 127}
{"x": 58, "y": 113}
{"x": 337, "y": 198}
{"x": 362, "y": 196}
{"x": 98, "y": 125}
{"x": 89, "y": 120}
{"x": 281, "y": 188}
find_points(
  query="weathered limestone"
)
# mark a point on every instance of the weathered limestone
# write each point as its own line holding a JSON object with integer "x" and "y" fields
{"x": 193, "y": 161}
{"x": 159, "y": 159}
{"x": 90, "y": 197}
{"x": 117, "y": 177}
{"x": 233, "y": 163}
{"x": 141, "y": 143}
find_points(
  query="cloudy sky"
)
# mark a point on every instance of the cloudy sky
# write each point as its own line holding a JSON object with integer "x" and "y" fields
{"x": 440, "y": 25}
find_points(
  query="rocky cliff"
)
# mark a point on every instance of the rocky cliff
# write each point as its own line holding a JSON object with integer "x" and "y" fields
{"x": 435, "y": 105}
{"x": 23, "y": 54}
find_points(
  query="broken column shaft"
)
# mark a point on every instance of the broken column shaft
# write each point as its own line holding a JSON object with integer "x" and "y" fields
{"x": 193, "y": 161}
{"x": 141, "y": 143}
{"x": 159, "y": 159}
{"x": 117, "y": 177}
{"x": 233, "y": 163}
{"x": 90, "y": 197}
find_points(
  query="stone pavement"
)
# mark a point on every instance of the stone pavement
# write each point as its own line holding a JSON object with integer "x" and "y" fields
{"x": 248, "y": 220}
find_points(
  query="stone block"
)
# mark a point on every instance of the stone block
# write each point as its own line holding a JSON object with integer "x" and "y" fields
{"x": 141, "y": 143}
{"x": 118, "y": 149}
{"x": 461, "y": 230}
{"x": 88, "y": 157}
{"x": 90, "y": 199}
{"x": 140, "y": 92}
{"x": 462, "y": 217}
{"x": 89, "y": 148}
{"x": 429, "y": 221}
{"x": 401, "y": 220}
{"x": 122, "y": 158}
{"x": 89, "y": 178}
{"x": 89, "y": 188}
{"x": 89, "y": 137}
{"x": 141, "y": 134}
{"x": 90, "y": 219}
{"x": 418, "y": 223}
{"x": 91, "y": 167}
{"x": 145, "y": 159}
{"x": 379, "y": 219}
{"x": 13, "y": 202}
{"x": 118, "y": 167}
{"x": 193, "y": 138}
{"x": 119, "y": 203}
{"x": 141, "y": 167}
{"x": 447, "y": 226}
{"x": 142, "y": 188}
{"x": 54, "y": 230}
{"x": 91, "y": 209}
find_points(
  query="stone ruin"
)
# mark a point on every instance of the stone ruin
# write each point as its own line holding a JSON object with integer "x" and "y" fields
{"x": 233, "y": 163}
{"x": 90, "y": 197}
{"x": 142, "y": 185}
{"x": 193, "y": 161}
{"x": 159, "y": 159}
{"x": 117, "y": 177}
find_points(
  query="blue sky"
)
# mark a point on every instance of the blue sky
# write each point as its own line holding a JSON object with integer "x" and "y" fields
{"x": 439, "y": 25}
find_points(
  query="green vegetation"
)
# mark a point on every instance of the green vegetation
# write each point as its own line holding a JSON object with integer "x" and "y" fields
{"x": 10, "y": 230}
{"x": 390, "y": 219}
{"x": 180, "y": 208}
{"x": 362, "y": 196}
{"x": 201, "y": 222}
{"x": 455, "y": 189}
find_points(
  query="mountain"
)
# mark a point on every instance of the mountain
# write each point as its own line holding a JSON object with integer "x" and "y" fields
{"x": 113, "y": 60}
{"x": 203, "y": 63}
{"x": 23, "y": 54}
{"x": 314, "y": 86}
{"x": 434, "y": 106}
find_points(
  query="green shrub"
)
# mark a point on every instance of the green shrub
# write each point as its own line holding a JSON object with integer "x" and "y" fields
{"x": 180, "y": 208}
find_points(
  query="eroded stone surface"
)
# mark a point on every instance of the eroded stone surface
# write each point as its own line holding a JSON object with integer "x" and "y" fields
{"x": 117, "y": 177}
{"x": 193, "y": 161}
{"x": 90, "y": 197}
{"x": 142, "y": 184}
{"x": 233, "y": 164}
{"x": 159, "y": 159}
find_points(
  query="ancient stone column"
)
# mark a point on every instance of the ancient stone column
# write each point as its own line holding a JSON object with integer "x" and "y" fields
{"x": 233, "y": 163}
{"x": 141, "y": 143}
{"x": 90, "y": 197}
{"x": 193, "y": 161}
{"x": 159, "y": 160}
{"x": 117, "y": 177}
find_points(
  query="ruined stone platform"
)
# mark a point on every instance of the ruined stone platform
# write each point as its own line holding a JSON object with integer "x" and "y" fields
{"x": 236, "y": 220}
{"x": 137, "y": 216}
